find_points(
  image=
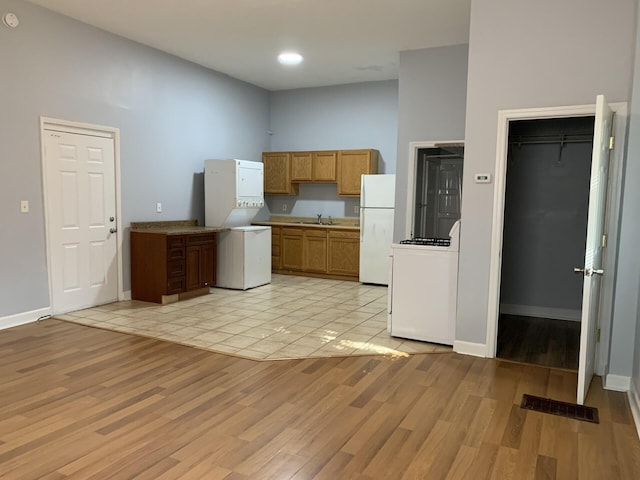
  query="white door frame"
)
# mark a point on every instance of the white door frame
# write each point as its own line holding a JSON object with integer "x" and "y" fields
{"x": 611, "y": 222}
{"x": 67, "y": 126}
{"x": 411, "y": 178}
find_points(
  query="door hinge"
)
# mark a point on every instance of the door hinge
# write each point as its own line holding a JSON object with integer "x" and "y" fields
{"x": 604, "y": 240}
{"x": 598, "y": 335}
{"x": 612, "y": 142}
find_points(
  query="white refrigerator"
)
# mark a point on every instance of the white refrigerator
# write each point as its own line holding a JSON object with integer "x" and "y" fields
{"x": 377, "y": 206}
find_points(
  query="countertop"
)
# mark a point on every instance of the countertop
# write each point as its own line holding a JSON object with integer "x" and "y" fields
{"x": 174, "y": 227}
{"x": 338, "y": 223}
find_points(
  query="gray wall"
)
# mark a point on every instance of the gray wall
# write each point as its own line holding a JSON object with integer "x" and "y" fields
{"x": 524, "y": 55}
{"x": 626, "y": 310}
{"x": 431, "y": 106}
{"x": 172, "y": 115}
{"x": 359, "y": 115}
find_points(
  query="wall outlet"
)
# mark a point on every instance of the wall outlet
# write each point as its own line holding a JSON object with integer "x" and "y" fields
{"x": 24, "y": 206}
{"x": 284, "y": 207}
{"x": 158, "y": 207}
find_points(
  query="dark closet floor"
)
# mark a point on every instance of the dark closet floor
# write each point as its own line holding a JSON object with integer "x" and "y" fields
{"x": 540, "y": 341}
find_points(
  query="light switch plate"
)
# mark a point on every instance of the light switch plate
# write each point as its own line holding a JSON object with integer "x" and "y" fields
{"x": 158, "y": 207}
{"x": 24, "y": 206}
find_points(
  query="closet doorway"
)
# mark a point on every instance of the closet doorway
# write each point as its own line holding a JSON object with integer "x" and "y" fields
{"x": 545, "y": 225}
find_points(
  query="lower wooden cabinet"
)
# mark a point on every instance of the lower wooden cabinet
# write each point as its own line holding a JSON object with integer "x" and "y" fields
{"x": 321, "y": 252}
{"x": 344, "y": 253}
{"x": 166, "y": 266}
{"x": 314, "y": 250}
{"x": 291, "y": 248}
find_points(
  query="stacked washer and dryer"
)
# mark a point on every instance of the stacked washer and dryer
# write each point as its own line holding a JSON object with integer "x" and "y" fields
{"x": 234, "y": 193}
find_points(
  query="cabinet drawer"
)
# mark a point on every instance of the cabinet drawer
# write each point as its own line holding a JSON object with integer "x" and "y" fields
{"x": 200, "y": 239}
{"x": 315, "y": 232}
{"x": 175, "y": 268}
{"x": 295, "y": 232}
{"x": 344, "y": 234}
{"x": 175, "y": 285}
{"x": 175, "y": 254}
{"x": 175, "y": 241}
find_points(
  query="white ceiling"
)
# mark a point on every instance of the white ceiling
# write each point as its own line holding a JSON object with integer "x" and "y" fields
{"x": 342, "y": 41}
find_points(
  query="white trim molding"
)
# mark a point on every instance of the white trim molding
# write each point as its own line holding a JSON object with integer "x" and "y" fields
{"x": 634, "y": 403}
{"x": 469, "y": 348}
{"x": 23, "y": 318}
{"x": 541, "y": 312}
{"x": 613, "y": 213}
{"x": 617, "y": 383}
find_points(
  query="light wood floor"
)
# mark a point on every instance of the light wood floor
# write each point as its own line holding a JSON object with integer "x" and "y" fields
{"x": 85, "y": 403}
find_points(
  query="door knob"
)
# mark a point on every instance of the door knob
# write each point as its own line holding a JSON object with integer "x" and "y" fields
{"x": 113, "y": 230}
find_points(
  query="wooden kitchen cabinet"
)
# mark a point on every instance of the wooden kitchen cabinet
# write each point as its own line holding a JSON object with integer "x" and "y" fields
{"x": 276, "y": 239}
{"x": 277, "y": 174}
{"x": 319, "y": 166}
{"x": 291, "y": 249}
{"x": 314, "y": 250}
{"x": 344, "y": 252}
{"x": 317, "y": 252}
{"x": 167, "y": 267}
{"x": 351, "y": 165}
{"x": 301, "y": 166}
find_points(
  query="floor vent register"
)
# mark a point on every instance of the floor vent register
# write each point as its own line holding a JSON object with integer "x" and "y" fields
{"x": 563, "y": 409}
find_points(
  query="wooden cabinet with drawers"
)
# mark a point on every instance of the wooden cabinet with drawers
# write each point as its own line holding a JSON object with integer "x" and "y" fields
{"x": 316, "y": 251}
{"x": 169, "y": 267}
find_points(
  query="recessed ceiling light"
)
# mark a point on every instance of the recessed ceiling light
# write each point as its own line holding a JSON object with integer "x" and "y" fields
{"x": 290, "y": 58}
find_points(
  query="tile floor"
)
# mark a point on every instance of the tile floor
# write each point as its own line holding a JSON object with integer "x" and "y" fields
{"x": 293, "y": 317}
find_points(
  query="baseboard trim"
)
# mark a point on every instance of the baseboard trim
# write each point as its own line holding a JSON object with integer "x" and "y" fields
{"x": 634, "y": 403}
{"x": 469, "y": 348}
{"x": 541, "y": 312}
{"x": 124, "y": 296}
{"x": 23, "y": 318}
{"x": 617, "y": 383}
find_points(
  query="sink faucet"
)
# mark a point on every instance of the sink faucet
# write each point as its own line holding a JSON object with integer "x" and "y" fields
{"x": 319, "y": 215}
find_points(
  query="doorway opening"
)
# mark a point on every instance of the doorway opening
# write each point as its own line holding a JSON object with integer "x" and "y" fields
{"x": 545, "y": 225}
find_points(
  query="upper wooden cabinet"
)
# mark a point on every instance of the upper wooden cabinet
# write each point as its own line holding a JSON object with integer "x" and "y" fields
{"x": 317, "y": 166}
{"x": 283, "y": 171}
{"x": 351, "y": 165}
{"x": 277, "y": 174}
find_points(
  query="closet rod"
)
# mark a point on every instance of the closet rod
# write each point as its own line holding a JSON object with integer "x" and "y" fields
{"x": 449, "y": 155}
{"x": 549, "y": 139}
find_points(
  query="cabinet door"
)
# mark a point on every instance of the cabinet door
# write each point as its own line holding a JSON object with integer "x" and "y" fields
{"x": 324, "y": 166}
{"x": 301, "y": 166}
{"x": 351, "y": 165}
{"x": 314, "y": 250}
{"x": 344, "y": 253}
{"x": 291, "y": 249}
{"x": 194, "y": 262}
{"x": 277, "y": 173}
{"x": 208, "y": 265}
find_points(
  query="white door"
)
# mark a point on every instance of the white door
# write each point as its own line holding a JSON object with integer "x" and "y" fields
{"x": 81, "y": 210}
{"x": 592, "y": 269}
